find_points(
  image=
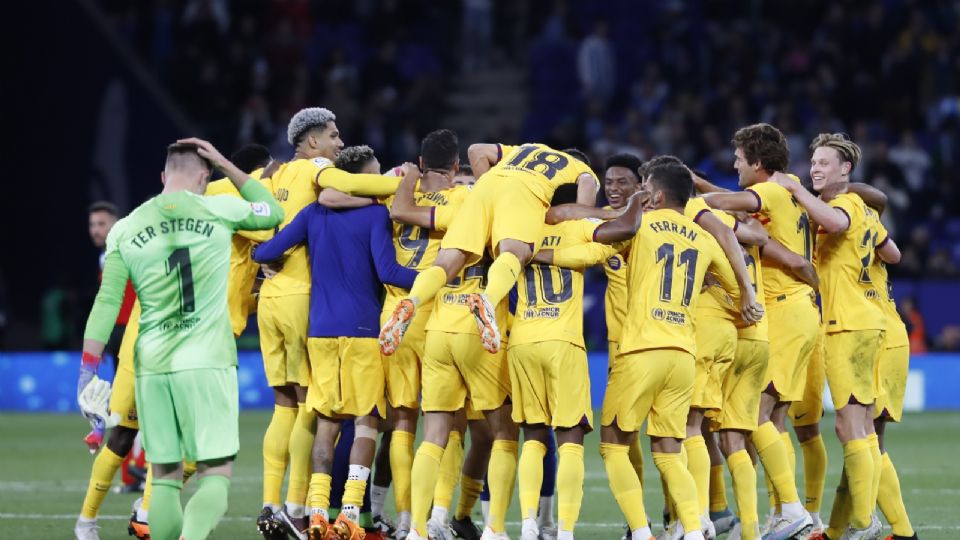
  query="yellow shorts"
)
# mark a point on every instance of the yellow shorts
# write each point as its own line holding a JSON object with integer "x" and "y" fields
{"x": 716, "y": 347}
{"x": 346, "y": 377}
{"x": 794, "y": 326}
{"x": 403, "y": 367}
{"x": 473, "y": 414}
{"x": 742, "y": 386}
{"x": 455, "y": 368}
{"x": 809, "y": 410}
{"x": 497, "y": 208}
{"x": 851, "y": 362}
{"x": 122, "y": 394}
{"x": 894, "y": 365}
{"x": 550, "y": 384}
{"x": 657, "y": 383}
{"x": 283, "y": 323}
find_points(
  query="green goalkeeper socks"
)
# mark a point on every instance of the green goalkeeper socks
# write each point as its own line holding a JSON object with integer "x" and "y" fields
{"x": 205, "y": 508}
{"x": 166, "y": 514}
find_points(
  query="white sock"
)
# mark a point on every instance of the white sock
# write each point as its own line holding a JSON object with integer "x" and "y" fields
{"x": 815, "y": 516}
{"x": 793, "y": 509}
{"x": 351, "y": 512}
{"x": 81, "y": 519}
{"x": 643, "y": 533}
{"x": 568, "y": 535}
{"x": 297, "y": 511}
{"x": 439, "y": 514}
{"x": 545, "y": 515}
{"x": 143, "y": 516}
{"x": 403, "y": 521}
{"x": 695, "y": 535}
{"x": 529, "y": 524}
{"x": 321, "y": 511}
{"x": 358, "y": 472}
{"x": 378, "y": 496}
{"x": 485, "y": 508}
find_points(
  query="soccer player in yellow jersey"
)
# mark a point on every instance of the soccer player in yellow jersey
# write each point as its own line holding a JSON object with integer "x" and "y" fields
{"x": 669, "y": 258}
{"x": 853, "y": 317}
{"x": 505, "y": 212}
{"x": 794, "y": 322}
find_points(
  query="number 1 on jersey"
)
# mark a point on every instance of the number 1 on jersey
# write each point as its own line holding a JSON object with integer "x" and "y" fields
{"x": 179, "y": 261}
{"x": 688, "y": 257}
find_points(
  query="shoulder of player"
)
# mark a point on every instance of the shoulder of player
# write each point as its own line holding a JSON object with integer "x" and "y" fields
{"x": 222, "y": 186}
{"x": 303, "y": 166}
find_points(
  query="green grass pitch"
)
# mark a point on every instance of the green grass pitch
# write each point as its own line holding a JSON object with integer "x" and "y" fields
{"x": 44, "y": 468}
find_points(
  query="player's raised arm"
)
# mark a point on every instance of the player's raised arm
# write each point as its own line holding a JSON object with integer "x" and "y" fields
{"x": 733, "y": 201}
{"x": 774, "y": 251}
{"x": 832, "y": 220}
{"x": 625, "y": 226}
{"x": 404, "y": 208}
{"x": 384, "y": 254}
{"x": 294, "y": 233}
{"x": 332, "y": 198}
{"x": 482, "y": 156}
{"x": 703, "y": 186}
{"x": 572, "y": 211}
{"x": 587, "y": 188}
{"x": 576, "y": 257}
{"x": 749, "y": 231}
{"x": 888, "y": 251}
{"x": 357, "y": 184}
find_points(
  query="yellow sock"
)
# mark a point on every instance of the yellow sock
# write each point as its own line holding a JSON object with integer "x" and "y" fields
{"x": 624, "y": 484}
{"x": 744, "y": 491}
{"x": 683, "y": 489}
{"x": 189, "y": 469}
{"x": 147, "y": 490}
{"x": 636, "y": 458}
{"x": 401, "y": 463}
{"x": 105, "y": 467}
{"x": 840, "y": 513}
{"x": 698, "y": 464}
{"x": 718, "y": 488}
{"x": 891, "y": 500}
{"x": 470, "y": 489}
{"x": 301, "y": 446}
{"x": 449, "y": 471}
{"x": 427, "y": 284}
{"x": 501, "y": 477}
{"x": 570, "y": 471}
{"x": 426, "y": 470}
{"x": 276, "y": 444}
{"x": 772, "y": 498}
{"x": 502, "y": 276}
{"x": 814, "y": 472}
{"x": 530, "y": 475}
{"x": 318, "y": 494}
{"x": 858, "y": 461}
{"x": 791, "y": 452}
{"x": 877, "y": 464}
{"x": 769, "y": 445}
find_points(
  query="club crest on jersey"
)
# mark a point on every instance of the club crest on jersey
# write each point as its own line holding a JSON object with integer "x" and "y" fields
{"x": 321, "y": 162}
{"x": 260, "y": 209}
{"x": 614, "y": 263}
{"x": 871, "y": 294}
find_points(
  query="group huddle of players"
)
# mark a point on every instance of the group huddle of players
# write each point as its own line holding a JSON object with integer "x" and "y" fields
{"x": 726, "y": 313}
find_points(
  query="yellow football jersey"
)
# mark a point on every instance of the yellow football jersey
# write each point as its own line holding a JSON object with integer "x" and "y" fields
{"x": 788, "y": 223}
{"x": 851, "y": 299}
{"x": 243, "y": 271}
{"x": 714, "y": 301}
{"x": 550, "y": 298}
{"x": 540, "y": 168}
{"x": 758, "y": 331}
{"x": 417, "y": 247}
{"x": 615, "y": 297}
{"x": 669, "y": 257}
{"x": 450, "y": 313}
{"x": 896, "y": 334}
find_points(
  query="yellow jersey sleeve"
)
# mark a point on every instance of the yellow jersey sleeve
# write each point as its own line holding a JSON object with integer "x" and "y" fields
{"x": 896, "y": 330}
{"x": 550, "y": 298}
{"x": 363, "y": 185}
{"x": 696, "y": 206}
{"x": 443, "y": 214}
{"x": 788, "y": 223}
{"x": 851, "y": 301}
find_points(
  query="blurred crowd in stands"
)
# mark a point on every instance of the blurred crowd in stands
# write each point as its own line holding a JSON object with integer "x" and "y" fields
{"x": 665, "y": 76}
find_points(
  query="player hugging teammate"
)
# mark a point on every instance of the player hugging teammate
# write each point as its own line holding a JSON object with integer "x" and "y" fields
{"x": 715, "y": 338}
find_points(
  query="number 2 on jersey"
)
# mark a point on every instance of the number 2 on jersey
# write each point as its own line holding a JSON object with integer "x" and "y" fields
{"x": 688, "y": 258}
{"x": 179, "y": 261}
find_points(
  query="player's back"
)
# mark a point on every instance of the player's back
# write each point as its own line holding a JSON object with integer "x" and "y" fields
{"x": 540, "y": 168}
{"x": 550, "y": 298}
{"x": 851, "y": 299}
{"x": 177, "y": 249}
{"x": 669, "y": 258}
{"x": 788, "y": 223}
{"x": 294, "y": 186}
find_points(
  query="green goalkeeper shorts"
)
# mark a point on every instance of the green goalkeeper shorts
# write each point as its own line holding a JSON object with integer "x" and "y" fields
{"x": 189, "y": 415}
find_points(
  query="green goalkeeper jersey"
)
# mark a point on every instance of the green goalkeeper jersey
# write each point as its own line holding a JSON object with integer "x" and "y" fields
{"x": 175, "y": 248}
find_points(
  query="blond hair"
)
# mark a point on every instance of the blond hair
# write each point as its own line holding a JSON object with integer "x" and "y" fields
{"x": 846, "y": 149}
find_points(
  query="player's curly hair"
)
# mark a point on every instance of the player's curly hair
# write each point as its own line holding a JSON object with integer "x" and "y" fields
{"x": 763, "y": 144}
{"x": 846, "y": 149}
{"x": 352, "y": 159}
{"x": 305, "y": 120}
{"x": 627, "y": 161}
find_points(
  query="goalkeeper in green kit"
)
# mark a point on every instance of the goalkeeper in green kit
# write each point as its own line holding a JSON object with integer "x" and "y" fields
{"x": 176, "y": 249}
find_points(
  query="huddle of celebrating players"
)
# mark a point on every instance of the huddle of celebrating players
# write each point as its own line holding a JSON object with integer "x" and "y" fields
{"x": 715, "y": 337}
